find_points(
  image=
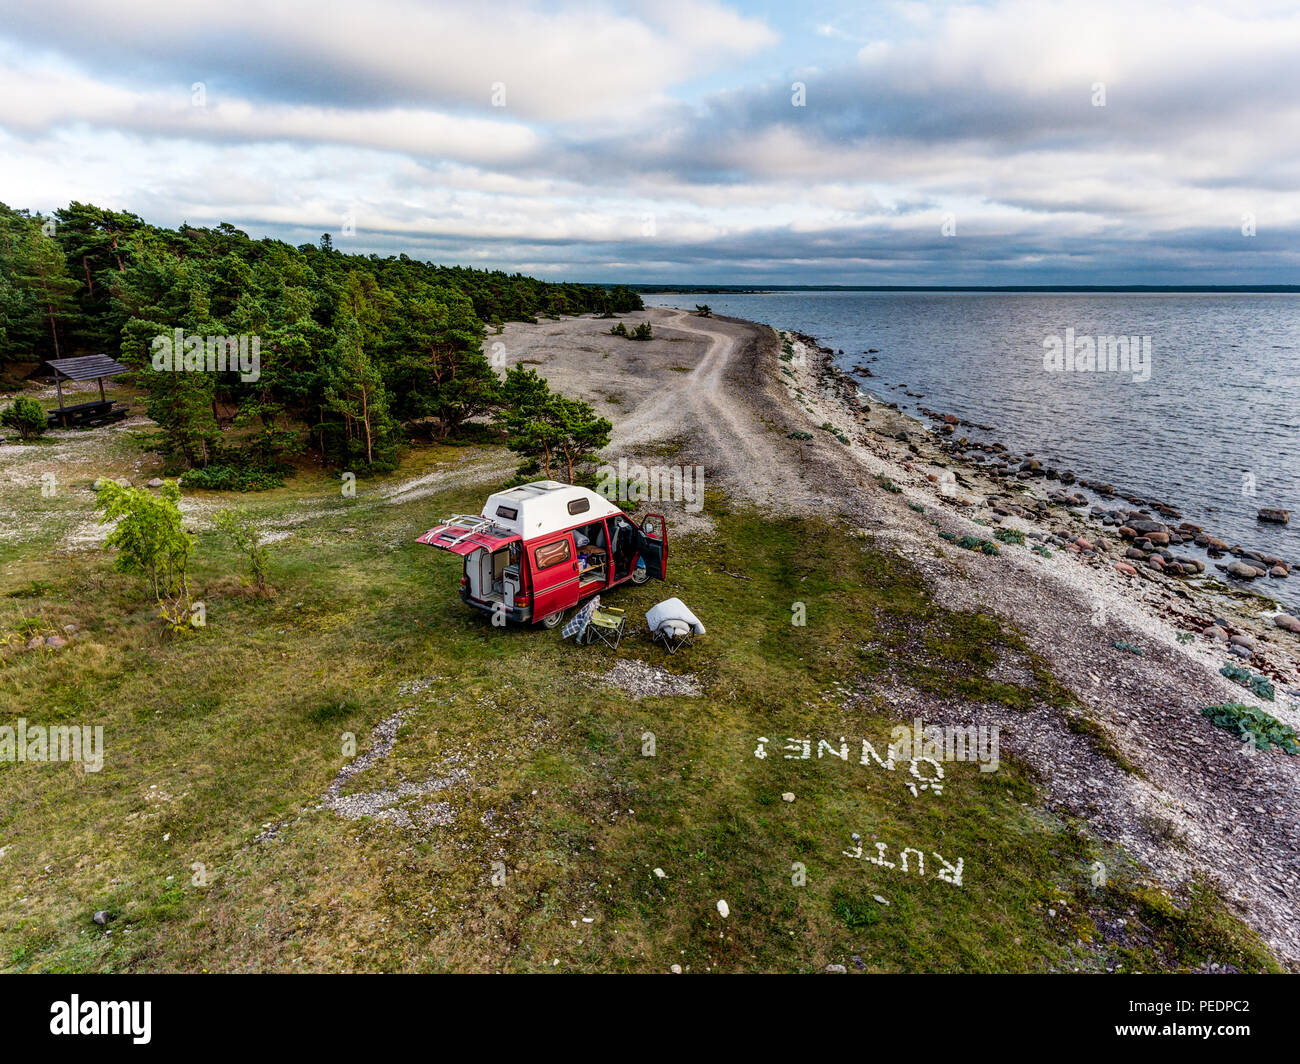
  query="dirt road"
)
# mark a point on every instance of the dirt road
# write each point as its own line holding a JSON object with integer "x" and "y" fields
{"x": 692, "y": 390}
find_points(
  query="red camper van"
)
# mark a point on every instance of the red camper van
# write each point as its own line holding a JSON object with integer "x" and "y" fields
{"x": 541, "y": 548}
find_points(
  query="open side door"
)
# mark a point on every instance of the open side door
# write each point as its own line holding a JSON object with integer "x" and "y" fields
{"x": 654, "y": 545}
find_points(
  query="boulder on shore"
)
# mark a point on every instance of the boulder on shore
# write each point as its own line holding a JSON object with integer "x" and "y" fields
{"x": 1274, "y": 515}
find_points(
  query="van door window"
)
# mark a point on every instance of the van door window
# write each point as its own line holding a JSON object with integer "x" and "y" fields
{"x": 551, "y": 554}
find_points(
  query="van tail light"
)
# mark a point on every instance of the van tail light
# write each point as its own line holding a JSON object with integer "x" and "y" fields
{"x": 522, "y": 599}
{"x": 464, "y": 582}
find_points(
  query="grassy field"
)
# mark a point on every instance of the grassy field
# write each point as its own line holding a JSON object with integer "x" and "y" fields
{"x": 523, "y": 818}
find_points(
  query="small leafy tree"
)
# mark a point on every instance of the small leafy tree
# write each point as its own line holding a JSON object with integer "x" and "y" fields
{"x": 148, "y": 538}
{"x": 703, "y": 310}
{"x": 618, "y": 330}
{"x": 241, "y": 529}
{"x": 642, "y": 332}
{"x": 26, "y": 417}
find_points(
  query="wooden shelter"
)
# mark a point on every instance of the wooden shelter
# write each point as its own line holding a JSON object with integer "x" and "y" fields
{"x": 82, "y": 368}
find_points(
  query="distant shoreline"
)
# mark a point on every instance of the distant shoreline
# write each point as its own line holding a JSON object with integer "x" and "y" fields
{"x": 758, "y": 290}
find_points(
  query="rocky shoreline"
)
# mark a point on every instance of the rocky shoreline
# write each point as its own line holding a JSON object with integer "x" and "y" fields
{"x": 1150, "y": 538}
{"x": 1207, "y": 598}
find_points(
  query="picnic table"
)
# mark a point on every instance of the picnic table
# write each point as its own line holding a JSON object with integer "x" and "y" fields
{"x": 86, "y": 415}
{"x": 82, "y": 368}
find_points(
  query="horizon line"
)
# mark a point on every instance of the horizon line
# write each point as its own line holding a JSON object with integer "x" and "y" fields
{"x": 753, "y": 289}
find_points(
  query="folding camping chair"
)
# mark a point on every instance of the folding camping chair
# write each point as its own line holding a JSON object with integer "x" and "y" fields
{"x": 578, "y": 622}
{"x": 674, "y": 634}
{"x": 607, "y": 624}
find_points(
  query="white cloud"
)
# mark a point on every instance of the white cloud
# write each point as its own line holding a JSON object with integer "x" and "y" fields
{"x": 571, "y": 62}
{"x": 34, "y": 99}
{"x": 317, "y": 110}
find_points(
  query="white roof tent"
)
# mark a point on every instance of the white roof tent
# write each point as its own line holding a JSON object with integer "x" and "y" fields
{"x": 543, "y": 506}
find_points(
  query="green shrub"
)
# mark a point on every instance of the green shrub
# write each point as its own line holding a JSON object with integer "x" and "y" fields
{"x": 26, "y": 417}
{"x": 1247, "y": 721}
{"x": 1010, "y": 535}
{"x": 241, "y": 530}
{"x": 640, "y": 332}
{"x": 219, "y": 477}
{"x": 984, "y": 546}
{"x": 1246, "y": 678}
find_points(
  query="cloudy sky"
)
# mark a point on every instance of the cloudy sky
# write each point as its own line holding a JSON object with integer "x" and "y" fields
{"x": 1007, "y": 142}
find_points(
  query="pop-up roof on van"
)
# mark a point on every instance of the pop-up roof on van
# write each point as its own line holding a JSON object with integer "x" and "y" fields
{"x": 543, "y": 506}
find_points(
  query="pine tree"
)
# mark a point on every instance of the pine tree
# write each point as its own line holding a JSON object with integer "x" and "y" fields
{"x": 355, "y": 391}
{"x": 525, "y": 418}
{"x": 580, "y": 432}
{"x": 42, "y": 271}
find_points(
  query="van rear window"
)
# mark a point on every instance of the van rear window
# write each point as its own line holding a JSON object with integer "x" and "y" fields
{"x": 551, "y": 554}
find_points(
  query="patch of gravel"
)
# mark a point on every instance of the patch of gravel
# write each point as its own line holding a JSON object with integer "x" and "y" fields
{"x": 393, "y": 803}
{"x": 643, "y": 680}
{"x": 415, "y": 687}
{"x": 403, "y": 805}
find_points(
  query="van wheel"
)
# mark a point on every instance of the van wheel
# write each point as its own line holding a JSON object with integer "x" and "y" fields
{"x": 640, "y": 575}
{"x": 552, "y": 620}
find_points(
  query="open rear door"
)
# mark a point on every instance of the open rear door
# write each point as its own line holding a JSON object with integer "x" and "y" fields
{"x": 654, "y": 545}
{"x": 465, "y": 535}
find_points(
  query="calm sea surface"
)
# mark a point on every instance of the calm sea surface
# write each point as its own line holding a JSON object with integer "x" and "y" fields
{"x": 1218, "y": 419}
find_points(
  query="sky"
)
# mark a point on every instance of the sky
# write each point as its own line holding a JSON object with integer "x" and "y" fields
{"x": 683, "y": 141}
